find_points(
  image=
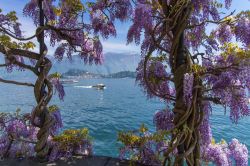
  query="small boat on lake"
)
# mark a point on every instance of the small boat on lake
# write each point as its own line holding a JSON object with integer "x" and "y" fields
{"x": 99, "y": 86}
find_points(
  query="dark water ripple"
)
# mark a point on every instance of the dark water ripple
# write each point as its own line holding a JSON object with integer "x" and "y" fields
{"x": 121, "y": 106}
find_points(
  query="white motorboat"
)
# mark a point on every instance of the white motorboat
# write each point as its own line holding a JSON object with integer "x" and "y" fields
{"x": 99, "y": 86}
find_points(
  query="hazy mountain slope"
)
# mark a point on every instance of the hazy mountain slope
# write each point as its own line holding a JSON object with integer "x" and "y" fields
{"x": 113, "y": 62}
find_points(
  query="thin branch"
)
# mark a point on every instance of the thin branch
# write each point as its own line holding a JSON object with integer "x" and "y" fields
{"x": 31, "y": 68}
{"x": 212, "y": 99}
{"x": 20, "y": 52}
{"x": 17, "y": 83}
{"x": 213, "y": 22}
{"x": 218, "y": 70}
{"x": 39, "y": 31}
{"x": 3, "y": 65}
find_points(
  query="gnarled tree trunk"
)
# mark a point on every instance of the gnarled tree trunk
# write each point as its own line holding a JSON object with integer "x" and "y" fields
{"x": 187, "y": 117}
{"x": 43, "y": 93}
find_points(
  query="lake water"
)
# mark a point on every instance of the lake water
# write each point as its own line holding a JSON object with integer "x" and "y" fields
{"x": 121, "y": 106}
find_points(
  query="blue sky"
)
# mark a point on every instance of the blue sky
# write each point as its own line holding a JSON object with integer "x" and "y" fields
{"x": 113, "y": 44}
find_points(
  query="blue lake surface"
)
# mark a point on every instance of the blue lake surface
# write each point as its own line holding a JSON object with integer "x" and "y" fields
{"x": 121, "y": 106}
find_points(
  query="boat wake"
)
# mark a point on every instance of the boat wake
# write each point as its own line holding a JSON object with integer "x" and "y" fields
{"x": 86, "y": 87}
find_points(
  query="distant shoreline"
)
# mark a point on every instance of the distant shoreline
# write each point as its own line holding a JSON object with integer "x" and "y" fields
{"x": 83, "y": 74}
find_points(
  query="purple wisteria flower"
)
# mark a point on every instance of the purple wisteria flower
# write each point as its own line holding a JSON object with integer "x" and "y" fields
{"x": 4, "y": 142}
{"x": 157, "y": 79}
{"x": 17, "y": 30}
{"x": 205, "y": 128}
{"x": 242, "y": 31}
{"x": 54, "y": 154}
{"x": 60, "y": 50}
{"x": 58, "y": 87}
{"x": 163, "y": 120}
{"x": 142, "y": 20}
{"x": 17, "y": 128}
{"x": 56, "y": 115}
{"x": 224, "y": 33}
{"x": 188, "y": 82}
{"x": 218, "y": 154}
{"x": 239, "y": 152}
{"x": 230, "y": 85}
{"x": 31, "y": 9}
{"x": 228, "y": 3}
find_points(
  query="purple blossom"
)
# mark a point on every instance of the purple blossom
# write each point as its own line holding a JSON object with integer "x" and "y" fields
{"x": 205, "y": 128}
{"x": 239, "y": 152}
{"x": 101, "y": 25}
{"x": 97, "y": 45}
{"x": 157, "y": 79}
{"x": 230, "y": 85}
{"x": 20, "y": 59}
{"x": 228, "y": 3}
{"x": 4, "y": 142}
{"x": 217, "y": 154}
{"x": 59, "y": 52}
{"x": 204, "y": 9}
{"x": 17, "y": 30}
{"x": 54, "y": 154}
{"x": 9, "y": 66}
{"x": 242, "y": 31}
{"x": 121, "y": 10}
{"x": 142, "y": 20}
{"x": 56, "y": 115}
{"x": 148, "y": 156}
{"x": 212, "y": 44}
{"x": 21, "y": 149}
{"x": 188, "y": 88}
{"x": 163, "y": 120}
{"x": 58, "y": 87}
{"x": 48, "y": 9}
{"x": 224, "y": 33}
{"x": 194, "y": 36}
{"x": 31, "y": 10}
{"x": 17, "y": 128}
{"x": 81, "y": 40}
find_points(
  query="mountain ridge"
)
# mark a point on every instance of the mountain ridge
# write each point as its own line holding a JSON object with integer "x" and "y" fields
{"x": 113, "y": 63}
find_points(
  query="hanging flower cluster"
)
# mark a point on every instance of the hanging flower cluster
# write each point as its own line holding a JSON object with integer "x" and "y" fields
{"x": 188, "y": 87}
{"x": 55, "y": 80}
{"x": 157, "y": 79}
{"x": 163, "y": 120}
{"x": 230, "y": 82}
